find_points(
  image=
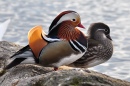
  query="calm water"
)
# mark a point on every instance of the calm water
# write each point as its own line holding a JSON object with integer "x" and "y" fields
{"x": 116, "y": 13}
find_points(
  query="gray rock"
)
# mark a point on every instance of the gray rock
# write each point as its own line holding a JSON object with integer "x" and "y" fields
{"x": 6, "y": 50}
{"x": 34, "y": 75}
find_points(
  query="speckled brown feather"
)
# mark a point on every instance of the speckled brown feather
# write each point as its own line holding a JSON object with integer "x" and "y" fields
{"x": 96, "y": 52}
{"x": 100, "y": 47}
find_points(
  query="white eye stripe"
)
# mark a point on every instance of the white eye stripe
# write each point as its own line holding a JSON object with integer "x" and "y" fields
{"x": 101, "y": 29}
{"x": 68, "y": 16}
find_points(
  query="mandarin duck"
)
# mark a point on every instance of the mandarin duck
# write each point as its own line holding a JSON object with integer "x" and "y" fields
{"x": 100, "y": 47}
{"x": 64, "y": 44}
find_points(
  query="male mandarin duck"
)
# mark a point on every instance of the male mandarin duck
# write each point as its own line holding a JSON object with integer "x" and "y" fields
{"x": 64, "y": 44}
{"x": 100, "y": 47}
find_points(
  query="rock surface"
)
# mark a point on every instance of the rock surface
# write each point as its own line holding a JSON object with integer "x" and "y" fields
{"x": 34, "y": 75}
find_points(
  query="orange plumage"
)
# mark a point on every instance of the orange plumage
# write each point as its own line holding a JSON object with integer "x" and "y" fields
{"x": 35, "y": 38}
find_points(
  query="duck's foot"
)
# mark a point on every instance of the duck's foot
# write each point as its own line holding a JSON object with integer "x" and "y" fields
{"x": 65, "y": 68}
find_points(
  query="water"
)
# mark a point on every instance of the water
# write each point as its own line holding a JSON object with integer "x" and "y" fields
{"x": 116, "y": 13}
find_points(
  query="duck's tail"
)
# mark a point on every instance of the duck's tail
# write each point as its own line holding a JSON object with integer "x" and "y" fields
{"x": 23, "y": 56}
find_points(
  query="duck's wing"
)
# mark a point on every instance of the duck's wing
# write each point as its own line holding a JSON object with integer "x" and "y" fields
{"x": 94, "y": 48}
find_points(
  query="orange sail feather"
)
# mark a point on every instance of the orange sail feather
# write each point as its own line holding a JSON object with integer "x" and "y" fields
{"x": 36, "y": 42}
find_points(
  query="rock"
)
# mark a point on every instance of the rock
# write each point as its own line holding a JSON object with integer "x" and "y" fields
{"x": 34, "y": 75}
{"x": 6, "y": 50}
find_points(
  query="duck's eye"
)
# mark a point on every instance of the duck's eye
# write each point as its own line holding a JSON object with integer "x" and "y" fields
{"x": 106, "y": 30}
{"x": 74, "y": 20}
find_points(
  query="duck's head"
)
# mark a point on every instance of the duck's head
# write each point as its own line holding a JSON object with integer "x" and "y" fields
{"x": 65, "y": 25}
{"x": 99, "y": 29}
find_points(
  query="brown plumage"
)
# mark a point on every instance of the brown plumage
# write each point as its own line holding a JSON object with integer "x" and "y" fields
{"x": 66, "y": 31}
{"x": 100, "y": 47}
